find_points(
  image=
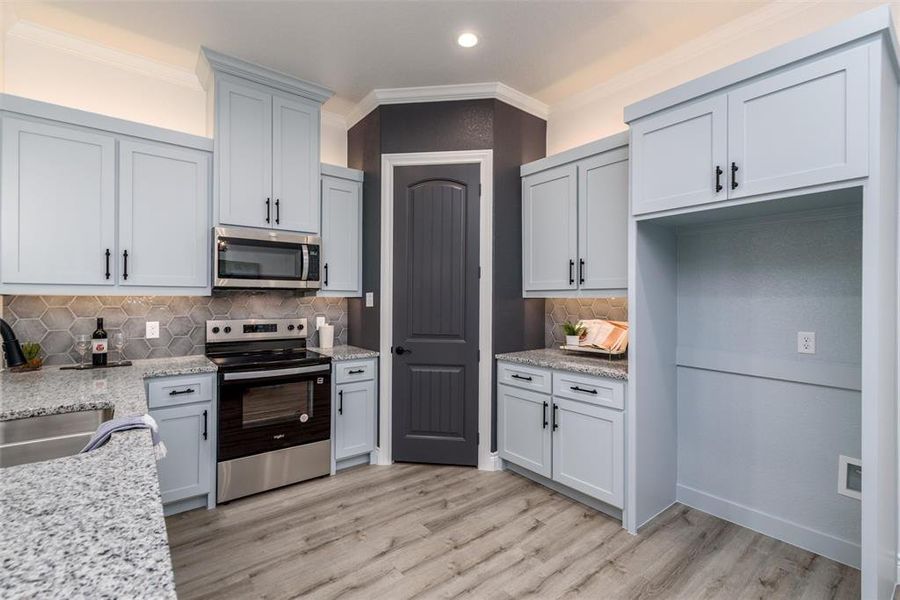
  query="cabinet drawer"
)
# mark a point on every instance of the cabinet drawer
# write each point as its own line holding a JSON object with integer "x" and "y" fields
{"x": 596, "y": 390}
{"x": 356, "y": 370}
{"x": 182, "y": 389}
{"x": 522, "y": 376}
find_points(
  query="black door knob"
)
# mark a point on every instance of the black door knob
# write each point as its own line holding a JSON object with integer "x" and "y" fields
{"x": 401, "y": 350}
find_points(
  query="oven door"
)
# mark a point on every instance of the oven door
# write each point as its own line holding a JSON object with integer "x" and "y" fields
{"x": 249, "y": 258}
{"x": 262, "y": 411}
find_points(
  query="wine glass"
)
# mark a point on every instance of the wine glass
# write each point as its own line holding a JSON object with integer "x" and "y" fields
{"x": 82, "y": 343}
{"x": 118, "y": 343}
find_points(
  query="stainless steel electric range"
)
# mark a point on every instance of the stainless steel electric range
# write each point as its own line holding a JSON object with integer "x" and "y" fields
{"x": 274, "y": 405}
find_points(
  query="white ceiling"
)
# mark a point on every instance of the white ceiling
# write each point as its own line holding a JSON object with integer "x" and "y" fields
{"x": 546, "y": 49}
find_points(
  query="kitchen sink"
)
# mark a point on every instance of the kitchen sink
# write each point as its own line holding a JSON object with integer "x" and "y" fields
{"x": 34, "y": 439}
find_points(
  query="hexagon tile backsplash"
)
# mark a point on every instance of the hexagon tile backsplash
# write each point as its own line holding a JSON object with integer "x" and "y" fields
{"x": 559, "y": 310}
{"x": 53, "y": 321}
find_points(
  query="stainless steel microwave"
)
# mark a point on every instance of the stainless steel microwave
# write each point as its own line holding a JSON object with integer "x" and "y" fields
{"x": 257, "y": 258}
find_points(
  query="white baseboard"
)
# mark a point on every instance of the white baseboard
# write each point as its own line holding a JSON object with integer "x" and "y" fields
{"x": 829, "y": 546}
{"x": 377, "y": 457}
{"x": 492, "y": 463}
{"x": 897, "y": 580}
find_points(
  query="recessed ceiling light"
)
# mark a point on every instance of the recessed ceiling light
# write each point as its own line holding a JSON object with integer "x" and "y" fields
{"x": 467, "y": 40}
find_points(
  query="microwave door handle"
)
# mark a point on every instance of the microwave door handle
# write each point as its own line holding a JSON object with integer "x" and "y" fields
{"x": 305, "y": 270}
{"x": 244, "y": 375}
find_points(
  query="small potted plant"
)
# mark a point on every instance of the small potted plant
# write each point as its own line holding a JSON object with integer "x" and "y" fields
{"x": 32, "y": 352}
{"x": 573, "y": 332}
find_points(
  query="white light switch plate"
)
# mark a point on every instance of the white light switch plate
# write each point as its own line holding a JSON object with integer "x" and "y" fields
{"x": 370, "y": 299}
{"x": 319, "y": 322}
{"x": 152, "y": 330}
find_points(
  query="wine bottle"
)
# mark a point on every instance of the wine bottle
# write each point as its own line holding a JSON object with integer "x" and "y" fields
{"x": 99, "y": 345}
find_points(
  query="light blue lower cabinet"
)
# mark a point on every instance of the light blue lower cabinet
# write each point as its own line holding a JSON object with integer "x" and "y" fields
{"x": 187, "y": 427}
{"x": 354, "y": 410}
{"x": 574, "y": 446}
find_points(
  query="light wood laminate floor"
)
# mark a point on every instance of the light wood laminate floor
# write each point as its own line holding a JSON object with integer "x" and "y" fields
{"x": 416, "y": 531}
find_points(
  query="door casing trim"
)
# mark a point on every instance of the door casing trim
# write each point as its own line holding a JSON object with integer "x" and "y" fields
{"x": 485, "y": 160}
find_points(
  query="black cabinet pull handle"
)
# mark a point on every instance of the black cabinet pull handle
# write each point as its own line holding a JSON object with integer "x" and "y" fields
{"x": 402, "y": 350}
{"x": 580, "y": 270}
{"x": 341, "y": 402}
{"x": 205, "y": 424}
{"x": 571, "y": 272}
{"x": 555, "y": 413}
{"x": 107, "y": 263}
{"x": 356, "y": 371}
{"x": 268, "y": 210}
{"x": 325, "y": 283}
{"x": 545, "y": 415}
{"x": 277, "y": 211}
{"x": 718, "y": 179}
{"x": 734, "y": 170}
{"x": 184, "y": 391}
{"x": 125, "y": 273}
{"x": 575, "y": 388}
{"x": 517, "y": 376}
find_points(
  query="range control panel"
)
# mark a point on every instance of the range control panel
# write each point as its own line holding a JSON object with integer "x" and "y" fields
{"x": 254, "y": 329}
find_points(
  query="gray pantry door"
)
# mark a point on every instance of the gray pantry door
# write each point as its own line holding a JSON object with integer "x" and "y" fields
{"x": 435, "y": 322}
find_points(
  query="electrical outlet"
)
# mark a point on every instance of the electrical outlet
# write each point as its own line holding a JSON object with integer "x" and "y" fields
{"x": 152, "y": 330}
{"x": 806, "y": 342}
{"x": 319, "y": 322}
{"x": 370, "y": 299}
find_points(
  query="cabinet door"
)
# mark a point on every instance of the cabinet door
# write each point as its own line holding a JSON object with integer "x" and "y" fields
{"x": 354, "y": 427}
{"x": 57, "y": 204}
{"x": 549, "y": 229}
{"x": 295, "y": 171}
{"x": 341, "y": 236}
{"x": 185, "y": 471}
{"x": 675, "y": 157}
{"x": 588, "y": 450}
{"x": 523, "y": 428}
{"x": 163, "y": 215}
{"x": 805, "y": 126}
{"x": 244, "y": 172}
{"x": 603, "y": 221}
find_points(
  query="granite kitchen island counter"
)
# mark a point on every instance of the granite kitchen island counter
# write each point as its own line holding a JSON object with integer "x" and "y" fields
{"x": 89, "y": 525}
{"x": 553, "y": 358}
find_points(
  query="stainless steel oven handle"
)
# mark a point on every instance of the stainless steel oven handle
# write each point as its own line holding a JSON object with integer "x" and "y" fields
{"x": 276, "y": 373}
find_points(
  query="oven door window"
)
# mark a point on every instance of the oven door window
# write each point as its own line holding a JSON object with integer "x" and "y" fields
{"x": 260, "y": 260}
{"x": 277, "y": 404}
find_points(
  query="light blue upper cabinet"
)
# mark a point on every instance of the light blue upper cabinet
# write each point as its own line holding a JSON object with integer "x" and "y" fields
{"x": 575, "y": 222}
{"x": 244, "y": 155}
{"x": 792, "y": 129}
{"x": 295, "y": 164}
{"x": 58, "y": 205}
{"x": 163, "y": 215}
{"x": 266, "y": 129}
{"x": 341, "y": 232}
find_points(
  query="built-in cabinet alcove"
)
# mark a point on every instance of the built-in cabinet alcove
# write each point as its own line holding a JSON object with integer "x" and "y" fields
{"x": 758, "y": 428}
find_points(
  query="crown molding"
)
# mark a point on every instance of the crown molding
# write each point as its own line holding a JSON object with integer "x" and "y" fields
{"x": 74, "y": 45}
{"x": 720, "y": 37}
{"x": 445, "y": 93}
{"x": 211, "y": 62}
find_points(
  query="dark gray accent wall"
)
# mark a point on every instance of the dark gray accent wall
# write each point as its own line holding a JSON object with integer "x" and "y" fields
{"x": 516, "y": 137}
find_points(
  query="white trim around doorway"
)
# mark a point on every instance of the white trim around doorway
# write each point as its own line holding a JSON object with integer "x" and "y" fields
{"x": 485, "y": 159}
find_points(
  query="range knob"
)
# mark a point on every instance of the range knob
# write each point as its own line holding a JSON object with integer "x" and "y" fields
{"x": 290, "y": 327}
{"x": 299, "y": 326}
{"x": 215, "y": 330}
{"x": 227, "y": 329}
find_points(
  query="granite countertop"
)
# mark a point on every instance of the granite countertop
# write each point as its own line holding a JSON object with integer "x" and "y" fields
{"x": 89, "y": 525}
{"x": 553, "y": 358}
{"x": 344, "y": 352}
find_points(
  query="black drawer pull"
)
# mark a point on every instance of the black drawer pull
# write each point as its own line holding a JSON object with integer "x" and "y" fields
{"x": 555, "y": 417}
{"x": 205, "y": 429}
{"x": 184, "y": 391}
{"x": 580, "y": 270}
{"x": 107, "y": 263}
{"x": 341, "y": 402}
{"x": 356, "y": 371}
{"x": 718, "y": 179}
{"x": 571, "y": 272}
{"x": 734, "y": 170}
{"x": 545, "y": 414}
{"x": 515, "y": 376}
{"x": 125, "y": 258}
{"x": 575, "y": 388}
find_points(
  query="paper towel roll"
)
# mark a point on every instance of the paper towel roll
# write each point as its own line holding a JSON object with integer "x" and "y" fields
{"x": 326, "y": 336}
